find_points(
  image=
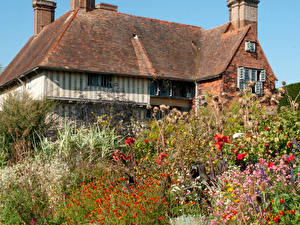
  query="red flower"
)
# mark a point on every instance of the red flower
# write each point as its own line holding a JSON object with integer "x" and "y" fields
{"x": 267, "y": 145}
{"x": 117, "y": 156}
{"x": 158, "y": 160}
{"x": 241, "y": 156}
{"x": 129, "y": 141}
{"x": 163, "y": 155}
{"x": 135, "y": 215}
{"x": 281, "y": 213}
{"x": 293, "y": 211}
{"x": 276, "y": 219}
{"x": 289, "y": 144}
{"x": 290, "y": 158}
{"x": 219, "y": 145}
{"x": 222, "y": 138}
{"x": 271, "y": 164}
{"x": 160, "y": 218}
{"x": 236, "y": 152}
{"x": 267, "y": 128}
{"x": 281, "y": 200}
{"x": 146, "y": 142}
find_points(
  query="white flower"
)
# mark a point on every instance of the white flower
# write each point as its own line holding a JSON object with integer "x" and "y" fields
{"x": 236, "y": 135}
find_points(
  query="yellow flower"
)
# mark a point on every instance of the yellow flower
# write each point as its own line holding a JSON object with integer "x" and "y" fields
{"x": 230, "y": 190}
{"x": 236, "y": 200}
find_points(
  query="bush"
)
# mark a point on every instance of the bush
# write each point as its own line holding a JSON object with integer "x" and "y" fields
{"x": 292, "y": 90}
{"x": 22, "y": 120}
{"x": 32, "y": 190}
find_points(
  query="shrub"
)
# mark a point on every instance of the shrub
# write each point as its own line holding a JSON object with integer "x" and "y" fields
{"x": 31, "y": 190}
{"x": 22, "y": 120}
{"x": 292, "y": 91}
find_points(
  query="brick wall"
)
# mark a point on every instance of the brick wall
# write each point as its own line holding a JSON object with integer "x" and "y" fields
{"x": 228, "y": 81}
{"x": 212, "y": 86}
{"x": 255, "y": 60}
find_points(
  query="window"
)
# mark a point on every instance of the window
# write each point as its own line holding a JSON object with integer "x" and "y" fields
{"x": 93, "y": 80}
{"x": 100, "y": 80}
{"x": 106, "y": 81}
{"x": 248, "y": 74}
{"x": 250, "y": 46}
{"x": 172, "y": 89}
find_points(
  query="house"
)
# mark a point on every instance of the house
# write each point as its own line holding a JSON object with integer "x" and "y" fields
{"x": 94, "y": 54}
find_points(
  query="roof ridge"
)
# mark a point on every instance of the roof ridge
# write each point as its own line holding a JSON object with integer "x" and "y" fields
{"x": 226, "y": 25}
{"x": 60, "y": 36}
{"x": 158, "y": 20}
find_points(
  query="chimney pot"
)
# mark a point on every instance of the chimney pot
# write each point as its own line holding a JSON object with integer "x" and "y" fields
{"x": 44, "y": 14}
{"x": 108, "y": 7}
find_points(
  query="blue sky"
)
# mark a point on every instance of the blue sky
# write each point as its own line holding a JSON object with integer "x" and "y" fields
{"x": 278, "y": 26}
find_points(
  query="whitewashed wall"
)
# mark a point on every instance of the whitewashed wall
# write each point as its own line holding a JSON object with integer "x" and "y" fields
{"x": 33, "y": 86}
{"x": 75, "y": 86}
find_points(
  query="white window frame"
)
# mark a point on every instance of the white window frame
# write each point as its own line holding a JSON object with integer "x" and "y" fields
{"x": 250, "y": 46}
{"x": 246, "y": 74}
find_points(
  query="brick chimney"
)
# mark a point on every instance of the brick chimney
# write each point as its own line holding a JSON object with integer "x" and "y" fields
{"x": 88, "y": 5}
{"x": 243, "y": 12}
{"x": 108, "y": 7}
{"x": 44, "y": 14}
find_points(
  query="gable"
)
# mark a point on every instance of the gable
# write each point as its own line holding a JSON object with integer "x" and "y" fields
{"x": 242, "y": 58}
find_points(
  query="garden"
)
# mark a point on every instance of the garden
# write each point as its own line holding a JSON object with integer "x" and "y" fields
{"x": 230, "y": 161}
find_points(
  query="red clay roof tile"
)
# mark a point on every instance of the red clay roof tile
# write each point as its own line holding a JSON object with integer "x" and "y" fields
{"x": 101, "y": 41}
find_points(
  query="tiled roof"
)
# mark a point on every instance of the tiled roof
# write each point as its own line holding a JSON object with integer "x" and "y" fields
{"x": 112, "y": 42}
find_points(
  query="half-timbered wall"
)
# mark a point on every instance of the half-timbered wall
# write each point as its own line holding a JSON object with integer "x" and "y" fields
{"x": 67, "y": 85}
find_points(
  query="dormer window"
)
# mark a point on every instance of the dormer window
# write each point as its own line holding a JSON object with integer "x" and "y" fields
{"x": 250, "y": 46}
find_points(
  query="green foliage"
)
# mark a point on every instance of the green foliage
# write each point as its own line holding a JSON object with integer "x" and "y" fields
{"x": 22, "y": 119}
{"x": 31, "y": 190}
